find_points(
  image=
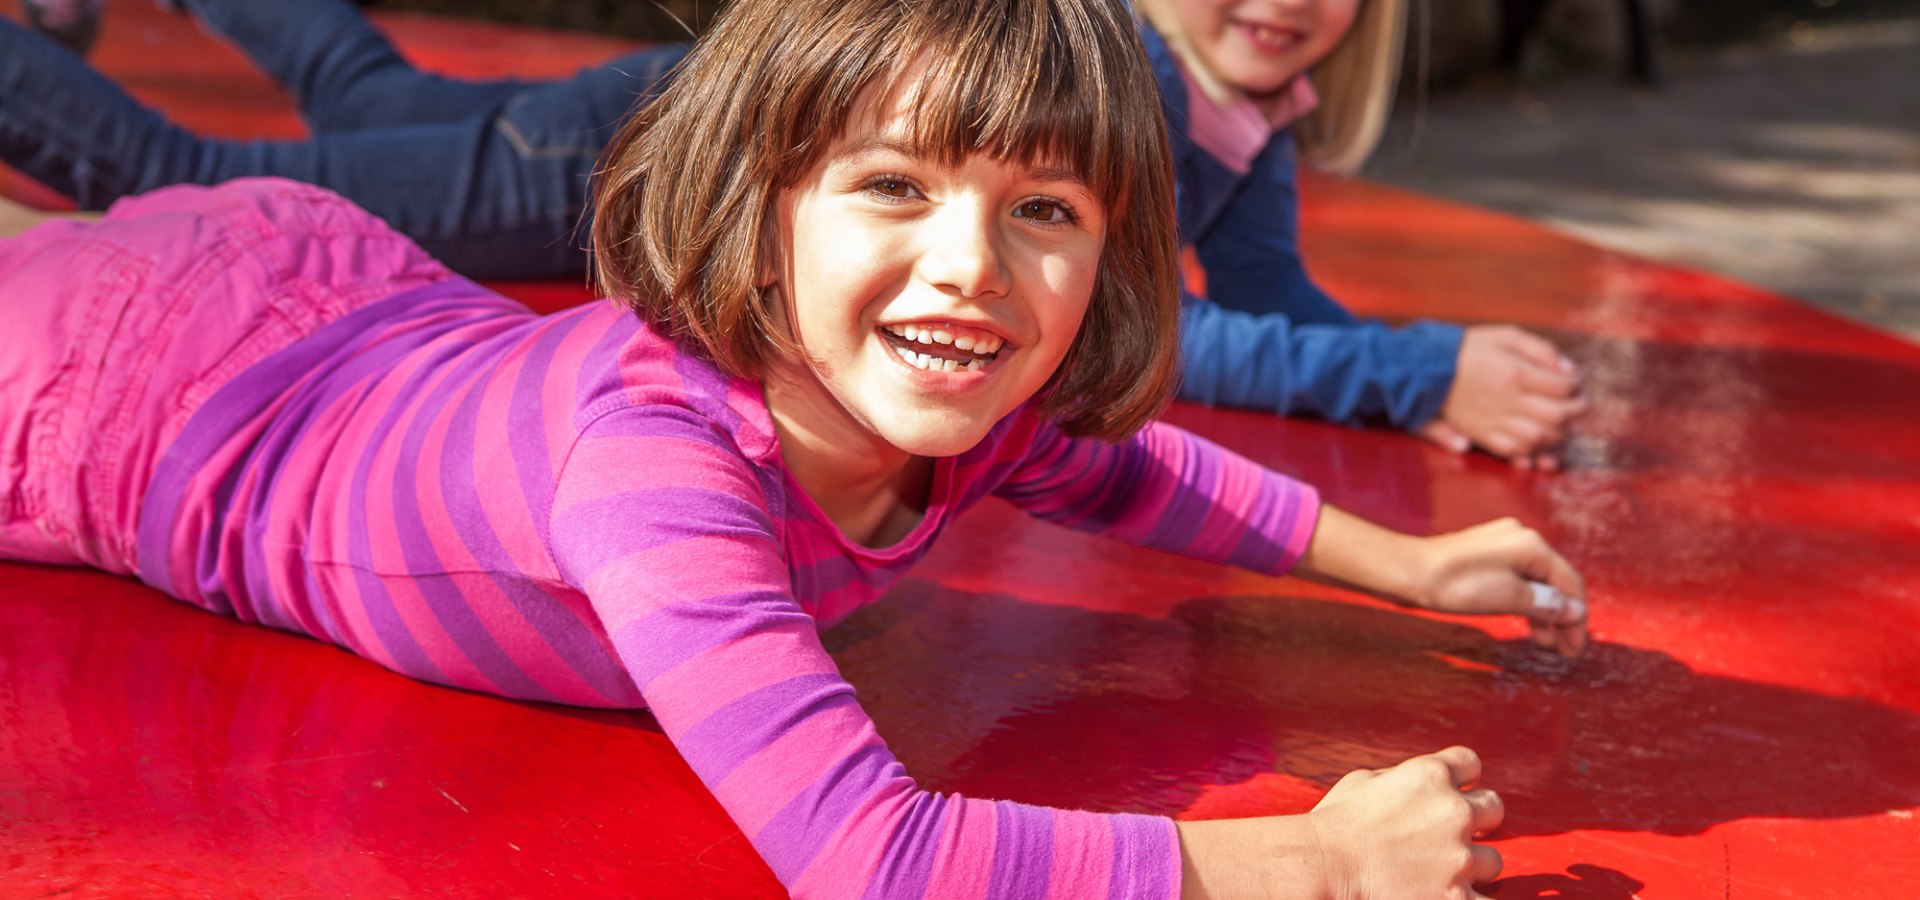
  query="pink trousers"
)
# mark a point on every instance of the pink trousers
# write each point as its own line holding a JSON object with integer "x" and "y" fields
{"x": 113, "y": 333}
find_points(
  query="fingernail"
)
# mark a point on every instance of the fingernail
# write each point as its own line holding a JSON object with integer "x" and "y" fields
{"x": 1457, "y": 445}
{"x": 1566, "y": 365}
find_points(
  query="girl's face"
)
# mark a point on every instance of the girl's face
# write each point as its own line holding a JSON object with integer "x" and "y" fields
{"x": 1258, "y": 46}
{"x": 933, "y": 299}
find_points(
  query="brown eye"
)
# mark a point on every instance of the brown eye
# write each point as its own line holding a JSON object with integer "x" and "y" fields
{"x": 892, "y": 187}
{"x": 1050, "y": 212}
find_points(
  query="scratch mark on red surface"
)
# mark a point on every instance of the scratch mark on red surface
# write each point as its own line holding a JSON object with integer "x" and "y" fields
{"x": 443, "y": 793}
{"x": 1726, "y": 858}
{"x": 700, "y": 858}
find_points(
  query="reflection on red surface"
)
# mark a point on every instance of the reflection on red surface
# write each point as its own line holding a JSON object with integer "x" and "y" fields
{"x": 1744, "y": 500}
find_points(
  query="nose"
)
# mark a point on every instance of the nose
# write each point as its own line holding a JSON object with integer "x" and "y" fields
{"x": 961, "y": 250}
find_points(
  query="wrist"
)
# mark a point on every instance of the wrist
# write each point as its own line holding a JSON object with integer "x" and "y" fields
{"x": 1412, "y": 570}
{"x": 1330, "y": 869}
{"x": 1352, "y": 552}
{"x": 1269, "y": 858}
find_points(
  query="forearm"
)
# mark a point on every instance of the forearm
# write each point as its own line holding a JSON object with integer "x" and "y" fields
{"x": 1278, "y": 857}
{"x": 1350, "y": 373}
{"x": 1350, "y": 551}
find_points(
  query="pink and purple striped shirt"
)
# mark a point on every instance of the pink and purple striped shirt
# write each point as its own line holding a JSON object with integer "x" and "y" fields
{"x": 570, "y": 508}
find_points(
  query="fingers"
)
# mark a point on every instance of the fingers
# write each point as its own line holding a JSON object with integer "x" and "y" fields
{"x": 1559, "y": 622}
{"x": 1551, "y": 412}
{"x": 1488, "y": 810}
{"x": 1463, "y": 765}
{"x": 1485, "y": 865}
{"x": 1551, "y": 606}
{"x": 1557, "y": 597}
{"x": 1540, "y": 422}
{"x": 1537, "y": 424}
{"x": 1536, "y": 349}
{"x": 1546, "y": 379}
{"x": 1445, "y": 436}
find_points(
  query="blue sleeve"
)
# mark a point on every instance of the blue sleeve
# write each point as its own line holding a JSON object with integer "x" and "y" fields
{"x": 1347, "y": 373}
{"x": 1267, "y": 337}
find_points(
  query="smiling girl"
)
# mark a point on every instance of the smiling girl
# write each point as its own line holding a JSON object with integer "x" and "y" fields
{"x": 924, "y": 255}
{"x": 1251, "y": 87}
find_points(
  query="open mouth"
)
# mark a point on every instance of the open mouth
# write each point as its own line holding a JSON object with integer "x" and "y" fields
{"x": 943, "y": 347}
{"x": 1270, "y": 38}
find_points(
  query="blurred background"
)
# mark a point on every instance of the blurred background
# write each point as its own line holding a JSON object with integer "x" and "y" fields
{"x": 1777, "y": 141}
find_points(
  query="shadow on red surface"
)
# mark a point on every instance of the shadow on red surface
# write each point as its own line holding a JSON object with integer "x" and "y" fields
{"x": 1239, "y": 706}
{"x": 1582, "y": 880}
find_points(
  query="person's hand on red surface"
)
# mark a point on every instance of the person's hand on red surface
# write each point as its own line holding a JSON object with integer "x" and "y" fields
{"x": 1495, "y": 568}
{"x": 1404, "y": 831}
{"x": 1514, "y": 394}
{"x": 1505, "y": 567}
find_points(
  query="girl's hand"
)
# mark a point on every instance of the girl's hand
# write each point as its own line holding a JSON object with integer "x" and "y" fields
{"x": 1406, "y": 831}
{"x": 1498, "y": 567}
{"x": 1505, "y": 567}
{"x": 1513, "y": 395}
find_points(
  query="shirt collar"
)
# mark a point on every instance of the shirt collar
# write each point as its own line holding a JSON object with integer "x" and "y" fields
{"x": 1236, "y": 133}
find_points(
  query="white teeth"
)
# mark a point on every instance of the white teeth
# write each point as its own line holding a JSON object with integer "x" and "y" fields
{"x": 983, "y": 345}
{"x": 939, "y": 364}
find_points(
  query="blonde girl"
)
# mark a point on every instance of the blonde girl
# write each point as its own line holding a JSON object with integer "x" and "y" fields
{"x": 1250, "y": 87}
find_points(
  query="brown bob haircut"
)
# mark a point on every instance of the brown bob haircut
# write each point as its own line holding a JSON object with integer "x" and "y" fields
{"x": 686, "y": 193}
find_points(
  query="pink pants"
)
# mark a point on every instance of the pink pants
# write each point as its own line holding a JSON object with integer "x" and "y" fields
{"x": 113, "y": 333}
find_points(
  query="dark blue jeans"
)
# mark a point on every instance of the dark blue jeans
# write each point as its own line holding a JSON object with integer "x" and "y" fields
{"x": 489, "y": 176}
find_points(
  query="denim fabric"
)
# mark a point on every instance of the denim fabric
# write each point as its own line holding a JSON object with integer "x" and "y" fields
{"x": 489, "y": 176}
{"x": 1265, "y": 336}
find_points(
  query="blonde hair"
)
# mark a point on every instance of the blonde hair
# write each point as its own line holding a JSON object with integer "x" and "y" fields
{"x": 686, "y": 192}
{"x": 1355, "y": 81}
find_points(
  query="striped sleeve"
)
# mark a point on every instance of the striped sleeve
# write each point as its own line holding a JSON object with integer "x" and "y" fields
{"x": 1171, "y": 490}
{"x": 664, "y": 526}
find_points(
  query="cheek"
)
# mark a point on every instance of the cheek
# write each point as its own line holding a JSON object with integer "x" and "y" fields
{"x": 1202, "y": 19}
{"x": 1070, "y": 280}
{"x": 1336, "y": 19}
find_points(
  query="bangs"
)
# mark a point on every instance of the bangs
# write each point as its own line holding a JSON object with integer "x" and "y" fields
{"x": 1046, "y": 84}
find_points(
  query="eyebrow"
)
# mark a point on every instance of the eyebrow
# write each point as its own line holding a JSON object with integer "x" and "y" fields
{"x": 882, "y": 144}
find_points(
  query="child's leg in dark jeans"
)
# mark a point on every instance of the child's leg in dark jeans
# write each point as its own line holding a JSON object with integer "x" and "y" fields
{"x": 344, "y": 72}
{"x": 496, "y": 195}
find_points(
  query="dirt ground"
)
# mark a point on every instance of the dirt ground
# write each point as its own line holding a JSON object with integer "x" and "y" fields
{"x": 1792, "y": 163}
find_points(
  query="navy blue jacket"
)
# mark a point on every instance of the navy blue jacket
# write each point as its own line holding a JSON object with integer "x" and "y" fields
{"x": 1266, "y": 336}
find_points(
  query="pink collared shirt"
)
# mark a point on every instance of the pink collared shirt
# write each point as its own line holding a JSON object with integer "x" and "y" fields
{"x": 1235, "y": 134}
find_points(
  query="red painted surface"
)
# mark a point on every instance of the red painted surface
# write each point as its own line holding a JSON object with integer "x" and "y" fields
{"x": 1744, "y": 500}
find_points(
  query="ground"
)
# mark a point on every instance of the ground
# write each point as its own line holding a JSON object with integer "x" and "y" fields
{"x": 1792, "y": 162}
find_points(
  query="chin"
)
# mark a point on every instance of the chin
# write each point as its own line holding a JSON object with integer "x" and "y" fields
{"x": 935, "y": 438}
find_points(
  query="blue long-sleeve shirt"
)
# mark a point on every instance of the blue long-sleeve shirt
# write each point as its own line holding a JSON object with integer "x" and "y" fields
{"x": 1266, "y": 336}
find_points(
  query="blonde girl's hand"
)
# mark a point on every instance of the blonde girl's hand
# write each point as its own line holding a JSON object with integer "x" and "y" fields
{"x": 1514, "y": 395}
{"x": 1408, "y": 831}
{"x": 1505, "y": 567}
